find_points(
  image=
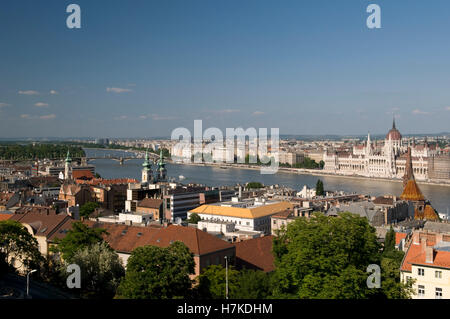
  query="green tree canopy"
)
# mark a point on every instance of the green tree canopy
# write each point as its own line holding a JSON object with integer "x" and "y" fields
{"x": 253, "y": 284}
{"x": 324, "y": 257}
{"x": 101, "y": 270}
{"x": 319, "y": 188}
{"x": 88, "y": 208}
{"x": 212, "y": 283}
{"x": 244, "y": 284}
{"x": 80, "y": 236}
{"x": 17, "y": 244}
{"x": 158, "y": 273}
{"x": 389, "y": 241}
{"x": 254, "y": 185}
{"x": 194, "y": 218}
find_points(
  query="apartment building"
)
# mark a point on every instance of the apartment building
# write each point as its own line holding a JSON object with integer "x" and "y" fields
{"x": 427, "y": 260}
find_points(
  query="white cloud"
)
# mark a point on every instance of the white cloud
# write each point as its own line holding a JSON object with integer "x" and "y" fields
{"x": 41, "y": 104}
{"x": 47, "y": 117}
{"x": 156, "y": 117}
{"x": 4, "y": 104}
{"x": 448, "y": 108}
{"x": 122, "y": 117}
{"x": 29, "y": 92}
{"x": 257, "y": 113}
{"x": 419, "y": 112}
{"x": 118, "y": 90}
{"x": 227, "y": 111}
{"x": 53, "y": 92}
{"x": 35, "y": 117}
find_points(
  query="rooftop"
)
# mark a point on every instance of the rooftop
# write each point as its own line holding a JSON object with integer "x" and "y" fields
{"x": 125, "y": 238}
{"x": 236, "y": 209}
{"x": 255, "y": 254}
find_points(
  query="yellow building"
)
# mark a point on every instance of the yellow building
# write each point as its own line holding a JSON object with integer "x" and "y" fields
{"x": 247, "y": 215}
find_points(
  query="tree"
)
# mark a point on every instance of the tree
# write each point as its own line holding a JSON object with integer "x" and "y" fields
{"x": 212, "y": 282}
{"x": 194, "y": 218}
{"x": 88, "y": 208}
{"x": 80, "y": 236}
{"x": 101, "y": 270}
{"x": 389, "y": 241}
{"x": 158, "y": 273}
{"x": 254, "y": 185}
{"x": 325, "y": 257}
{"x": 244, "y": 284}
{"x": 253, "y": 284}
{"x": 17, "y": 244}
{"x": 391, "y": 284}
{"x": 319, "y": 188}
{"x": 321, "y": 164}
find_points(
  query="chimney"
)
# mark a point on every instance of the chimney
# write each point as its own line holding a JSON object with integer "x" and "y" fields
{"x": 439, "y": 237}
{"x": 415, "y": 238}
{"x": 429, "y": 255}
{"x": 423, "y": 244}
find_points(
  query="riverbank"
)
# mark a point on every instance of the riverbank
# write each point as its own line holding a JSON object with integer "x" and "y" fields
{"x": 309, "y": 172}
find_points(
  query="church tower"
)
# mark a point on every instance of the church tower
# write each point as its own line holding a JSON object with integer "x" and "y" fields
{"x": 68, "y": 166}
{"x": 162, "y": 171}
{"x": 147, "y": 176}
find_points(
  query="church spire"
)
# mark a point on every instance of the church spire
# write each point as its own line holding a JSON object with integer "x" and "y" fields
{"x": 393, "y": 122}
{"x": 409, "y": 173}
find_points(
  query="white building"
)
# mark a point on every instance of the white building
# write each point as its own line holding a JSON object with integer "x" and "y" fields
{"x": 388, "y": 161}
{"x": 427, "y": 260}
{"x": 307, "y": 192}
{"x": 246, "y": 215}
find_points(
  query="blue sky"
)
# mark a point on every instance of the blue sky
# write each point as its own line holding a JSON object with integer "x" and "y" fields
{"x": 306, "y": 67}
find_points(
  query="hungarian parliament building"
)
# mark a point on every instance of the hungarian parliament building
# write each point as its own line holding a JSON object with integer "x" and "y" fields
{"x": 372, "y": 159}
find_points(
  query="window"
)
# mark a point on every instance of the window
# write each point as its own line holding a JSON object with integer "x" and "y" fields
{"x": 274, "y": 222}
{"x": 438, "y": 274}
{"x": 248, "y": 223}
{"x": 421, "y": 271}
{"x": 438, "y": 293}
{"x": 421, "y": 291}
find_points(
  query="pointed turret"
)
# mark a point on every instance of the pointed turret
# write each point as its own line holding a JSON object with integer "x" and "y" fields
{"x": 68, "y": 158}
{"x": 161, "y": 167}
{"x": 146, "y": 170}
{"x": 68, "y": 166}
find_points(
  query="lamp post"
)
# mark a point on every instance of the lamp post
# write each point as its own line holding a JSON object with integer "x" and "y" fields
{"x": 28, "y": 281}
{"x": 226, "y": 277}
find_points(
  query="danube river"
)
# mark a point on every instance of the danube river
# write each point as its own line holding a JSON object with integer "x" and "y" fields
{"x": 215, "y": 176}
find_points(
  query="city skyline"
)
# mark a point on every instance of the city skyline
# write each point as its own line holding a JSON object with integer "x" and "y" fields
{"x": 142, "y": 70}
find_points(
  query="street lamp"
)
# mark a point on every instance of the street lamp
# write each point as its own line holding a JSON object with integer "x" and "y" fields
{"x": 28, "y": 281}
{"x": 226, "y": 277}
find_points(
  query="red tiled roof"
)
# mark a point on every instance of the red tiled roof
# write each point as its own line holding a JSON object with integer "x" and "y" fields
{"x": 82, "y": 173}
{"x": 5, "y": 216}
{"x": 125, "y": 238}
{"x": 255, "y": 254}
{"x": 101, "y": 181}
{"x": 62, "y": 230}
{"x": 284, "y": 214}
{"x": 42, "y": 224}
{"x": 412, "y": 192}
{"x": 415, "y": 255}
{"x": 399, "y": 236}
{"x": 150, "y": 203}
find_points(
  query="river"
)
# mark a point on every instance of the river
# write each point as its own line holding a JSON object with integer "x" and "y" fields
{"x": 215, "y": 176}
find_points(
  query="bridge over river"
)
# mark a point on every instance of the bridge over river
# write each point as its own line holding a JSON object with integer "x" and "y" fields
{"x": 121, "y": 158}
